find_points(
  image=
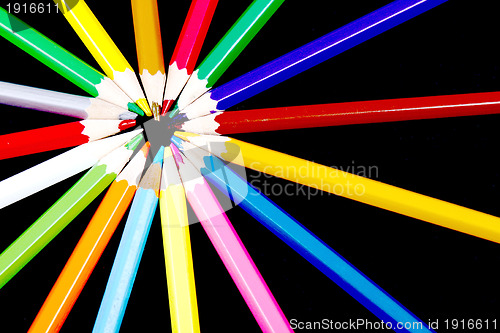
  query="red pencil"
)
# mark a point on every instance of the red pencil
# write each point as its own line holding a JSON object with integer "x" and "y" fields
{"x": 321, "y": 115}
{"x": 59, "y": 136}
{"x": 187, "y": 49}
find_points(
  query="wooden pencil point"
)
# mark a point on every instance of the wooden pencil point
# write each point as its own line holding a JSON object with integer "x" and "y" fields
{"x": 167, "y": 105}
{"x": 156, "y": 109}
{"x": 126, "y": 124}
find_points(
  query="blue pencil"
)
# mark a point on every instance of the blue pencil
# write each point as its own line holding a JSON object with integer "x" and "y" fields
{"x": 305, "y": 57}
{"x": 128, "y": 256}
{"x": 299, "y": 238}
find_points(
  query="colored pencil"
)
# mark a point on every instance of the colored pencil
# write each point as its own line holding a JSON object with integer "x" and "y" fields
{"x": 91, "y": 245}
{"x": 177, "y": 250}
{"x": 58, "y": 168}
{"x": 129, "y": 253}
{"x": 149, "y": 49}
{"x": 59, "y": 136}
{"x": 349, "y": 113}
{"x": 61, "y": 103}
{"x": 299, "y": 238}
{"x": 307, "y": 56}
{"x": 103, "y": 49}
{"x": 57, "y": 217}
{"x": 63, "y": 62}
{"x": 187, "y": 49}
{"x": 351, "y": 186}
{"x": 227, "y": 50}
{"x": 230, "y": 249}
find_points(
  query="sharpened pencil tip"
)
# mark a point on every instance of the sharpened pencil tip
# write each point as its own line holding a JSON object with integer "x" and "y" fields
{"x": 167, "y": 104}
{"x": 177, "y": 141}
{"x": 126, "y": 124}
{"x": 167, "y": 153}
{"x": 177, "y": 155}
{"x": 128, "y": 115}
{"x": 132, "y": 144}
{"x": 135, "y": 108}
{"x": 143, "y": 104}
{"x": 174, "y": 112}
{"x": 159, "y": 155}
{"x": 145, "y": 148}
{"x": 156, "y": 111}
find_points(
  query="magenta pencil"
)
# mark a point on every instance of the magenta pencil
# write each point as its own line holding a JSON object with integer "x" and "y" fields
{"x": 231, "y": 250}
{"x": 188, "y": 48}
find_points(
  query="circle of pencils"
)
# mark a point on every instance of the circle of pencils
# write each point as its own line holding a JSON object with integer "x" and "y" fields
{"x": 406, "y": 248}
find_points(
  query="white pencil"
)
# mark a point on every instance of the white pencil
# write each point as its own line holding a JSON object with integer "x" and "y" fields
{"x": 58, "y": 168}
{"x": 61, "y": 103}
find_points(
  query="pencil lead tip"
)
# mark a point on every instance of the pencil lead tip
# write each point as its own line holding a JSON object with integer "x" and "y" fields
{"x": 167, "y": 104}
{"x": 145, "y": 148}
{"x": 159, "y": 155}
{"x": 134, "y": 142}
{"x": 167, "y": 153}
{"x": 126, "y": 115}
{"x": 156, "y": 111}
{"x": 143, "y": 104}
{"x": 176, "y": 141}
{"x": 126, "y": 124}
{"x": 175, "y": 111}
{"x": 135, "y": 108}
{"x": 177, "y": 155}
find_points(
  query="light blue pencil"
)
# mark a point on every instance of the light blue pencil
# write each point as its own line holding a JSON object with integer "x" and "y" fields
{"x": 128, "y": 256}
{"x": 299, "y": 238}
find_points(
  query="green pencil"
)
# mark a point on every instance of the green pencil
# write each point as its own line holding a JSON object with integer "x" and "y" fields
{"x": 57, "y": 217}
{"x": 63, "y": 62}
{"x": 227, "y": 50}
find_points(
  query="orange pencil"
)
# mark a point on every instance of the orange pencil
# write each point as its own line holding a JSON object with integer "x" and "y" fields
{"x": 149, "y": 50}
{"x": 80, "y": 265}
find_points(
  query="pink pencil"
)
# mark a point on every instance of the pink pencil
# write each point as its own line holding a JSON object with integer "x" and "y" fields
{"x": 187, "y": 49}
{"x": 231, "y": 250}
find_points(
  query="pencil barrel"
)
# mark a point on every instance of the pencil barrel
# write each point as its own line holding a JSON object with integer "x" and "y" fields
{"x": 178, "y": 260}
{"x": 82, "y": 261}
{"x": 368, "y": 191}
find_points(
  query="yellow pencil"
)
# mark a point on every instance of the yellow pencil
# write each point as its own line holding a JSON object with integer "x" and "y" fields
{"x": 350, "y": 186}
{"x": 177, "y": 248}
{"x": 149, "y": 49}
{"x": 103, "y": 49}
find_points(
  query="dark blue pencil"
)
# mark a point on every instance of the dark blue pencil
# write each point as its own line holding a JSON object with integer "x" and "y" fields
{"x": 305, "y": 57}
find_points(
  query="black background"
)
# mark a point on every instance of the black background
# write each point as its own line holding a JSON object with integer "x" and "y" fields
{"x": 435, "y": 272}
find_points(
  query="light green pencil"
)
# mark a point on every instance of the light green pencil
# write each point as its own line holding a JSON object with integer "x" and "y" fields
{"x": 57, "y": 217}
